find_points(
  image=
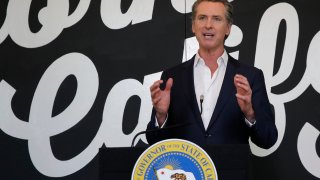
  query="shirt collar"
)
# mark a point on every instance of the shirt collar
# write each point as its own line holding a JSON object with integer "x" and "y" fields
{"x": 223, "y": 59}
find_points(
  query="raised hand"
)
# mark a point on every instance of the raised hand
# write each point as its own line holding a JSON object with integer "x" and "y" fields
{"x": 161, "y": 99}
{"x": 244, "y": 95}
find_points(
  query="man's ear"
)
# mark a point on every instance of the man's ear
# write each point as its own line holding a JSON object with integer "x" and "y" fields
{"x": 192, "y": 26}
{"x": 229, "y": 30}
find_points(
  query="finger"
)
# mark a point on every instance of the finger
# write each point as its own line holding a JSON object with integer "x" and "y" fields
{"x": 156, "y": 100}
{"x": 241, "y": 79}
{"x": 244, "y": 87}
{"x": 169, "y": 84}
{"x": 239, "y": 76}
{"x": 156, "y": 85}
{"x": 155, "y": 92}
{"x": 242, "y": 84}
{"x": 241, "y": 97}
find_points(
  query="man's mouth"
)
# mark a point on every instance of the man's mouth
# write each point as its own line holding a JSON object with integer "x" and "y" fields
{"x": 208, "y": 35}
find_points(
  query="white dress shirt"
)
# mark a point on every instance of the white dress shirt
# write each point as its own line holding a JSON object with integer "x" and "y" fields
{"x": 208, "y": 86}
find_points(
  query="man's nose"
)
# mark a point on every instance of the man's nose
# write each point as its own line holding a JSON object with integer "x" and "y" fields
{"x": 209, "y": 23}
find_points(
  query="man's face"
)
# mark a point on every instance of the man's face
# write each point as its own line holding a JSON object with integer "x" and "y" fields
{"x": 210, "y": 25}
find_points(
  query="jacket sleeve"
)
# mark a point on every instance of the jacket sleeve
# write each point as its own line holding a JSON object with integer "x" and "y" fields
{"x": 264, "y": 133}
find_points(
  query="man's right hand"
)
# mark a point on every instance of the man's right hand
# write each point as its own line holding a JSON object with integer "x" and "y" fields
{"x": 161, "y": 99}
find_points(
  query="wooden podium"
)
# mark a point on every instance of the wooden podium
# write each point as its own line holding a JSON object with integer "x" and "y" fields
{"x": 231, "y": 161}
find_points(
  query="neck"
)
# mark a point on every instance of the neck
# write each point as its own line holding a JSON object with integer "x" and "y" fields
{"x": 210, "y": 57}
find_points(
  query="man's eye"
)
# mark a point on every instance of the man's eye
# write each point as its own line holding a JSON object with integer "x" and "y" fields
{"x": 201, "y": 18}
{"x": 217, "y": 19}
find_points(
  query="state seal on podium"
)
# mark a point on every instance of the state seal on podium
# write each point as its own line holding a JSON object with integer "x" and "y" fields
{"x": 174, "y": 159}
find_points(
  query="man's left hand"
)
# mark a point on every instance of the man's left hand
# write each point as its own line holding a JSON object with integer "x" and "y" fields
{"x": 244, "y": 94}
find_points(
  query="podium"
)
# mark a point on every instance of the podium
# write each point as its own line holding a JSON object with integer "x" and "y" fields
{"x": 231, "y": 161}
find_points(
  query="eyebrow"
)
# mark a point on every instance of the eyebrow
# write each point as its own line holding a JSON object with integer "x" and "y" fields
{"x": 210, "y": 15}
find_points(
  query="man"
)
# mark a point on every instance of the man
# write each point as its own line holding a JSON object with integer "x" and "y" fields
{"x": 212, "y": 98}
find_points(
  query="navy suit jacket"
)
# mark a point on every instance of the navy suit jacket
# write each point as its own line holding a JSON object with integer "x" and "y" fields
{"x": 227, "y": 124}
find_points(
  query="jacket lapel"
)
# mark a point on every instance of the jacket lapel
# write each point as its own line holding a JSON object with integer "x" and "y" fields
{"x": 227, "y": 90}
{"x": 189, "y": 91}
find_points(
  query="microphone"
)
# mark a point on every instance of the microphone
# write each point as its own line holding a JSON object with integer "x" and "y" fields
{"x": 159, "y": 129}
{"x": 201, "y": 101}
